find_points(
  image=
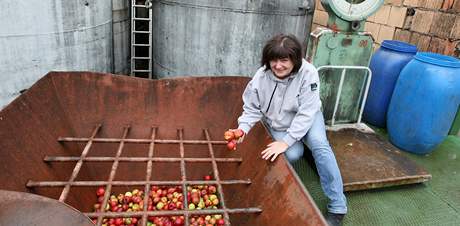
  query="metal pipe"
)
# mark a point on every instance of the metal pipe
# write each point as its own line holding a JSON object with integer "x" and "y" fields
{"x": 216, "y": 175}
{"x": 113, "y": 172}
{"x": 344, "y": 68}
{"x": 339, "y": 93}
{"x": 366, "y": 90}
{"x": 117, "y": 140}
{"x": 173, "y": 212}
{"x": 148, "y": 175}
{"x": 137, "y": 159}
{"x": 183, "y": 175}
{"x": 31, "y": 183}
{"x": 77, "y": 168}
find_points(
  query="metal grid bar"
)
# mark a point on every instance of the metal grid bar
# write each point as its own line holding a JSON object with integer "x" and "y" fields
{"x": 112, "y": 174}
{"x": 77, "y": 168}
{"x": 216, "y": 175}
{"x": 148, "y": 175}
{"x": 140, "y": 141}
{"x": 173, "y": 212}
{"x": 147, "y": 183}
{"x": 183, "y": 175}
{"x": 137, "y": 159}
{"x": 99, "y": 183}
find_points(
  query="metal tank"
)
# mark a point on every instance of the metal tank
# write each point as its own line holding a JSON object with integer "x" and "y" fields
{"x": 38, "y": 36}
{"x": 221, "y": 37}
{"x": 121, "y": 34}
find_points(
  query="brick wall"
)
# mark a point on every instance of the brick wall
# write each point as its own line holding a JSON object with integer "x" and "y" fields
{"x": 432, "y": 25}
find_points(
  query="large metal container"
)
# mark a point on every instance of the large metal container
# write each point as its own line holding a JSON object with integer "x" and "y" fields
{"x": 221, "y": 37}
{"x": 73, "y": 132}
{"x": 121, "y": 36}
{"x": 39, "y": 36}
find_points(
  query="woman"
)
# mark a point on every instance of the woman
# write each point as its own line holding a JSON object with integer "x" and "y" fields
{"x": 284, "y": 94}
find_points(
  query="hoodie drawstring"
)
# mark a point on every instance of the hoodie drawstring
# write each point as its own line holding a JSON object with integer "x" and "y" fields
{"x": 269, "y": 103}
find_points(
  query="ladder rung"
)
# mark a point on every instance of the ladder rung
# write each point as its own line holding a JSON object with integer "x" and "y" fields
{"x": 140, "y": 58}
{"x": 141, "y": 32}
{"x": 147, "y": 45}
{"x": 138, "y": 18}
{"x": 141, "y": 70}
{"x": 140, "y": 6}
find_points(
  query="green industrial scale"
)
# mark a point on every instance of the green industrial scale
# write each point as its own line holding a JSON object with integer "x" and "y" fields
{"x": 342, "y": 52}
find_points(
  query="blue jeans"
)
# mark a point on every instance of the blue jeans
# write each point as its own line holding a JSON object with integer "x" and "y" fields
{"x": 329, "y": 174}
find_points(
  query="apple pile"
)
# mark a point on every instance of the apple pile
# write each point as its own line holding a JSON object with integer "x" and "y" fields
{"x": 207, "y": 220}
{"x": 202, "y": 197}
{"x": 232, "y": 136}
{"x": 161, "y": 198}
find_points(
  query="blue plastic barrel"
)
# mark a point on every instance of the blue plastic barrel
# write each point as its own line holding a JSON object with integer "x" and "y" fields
{"x": 424, "y": 102}
{"x": 386, "y": 64}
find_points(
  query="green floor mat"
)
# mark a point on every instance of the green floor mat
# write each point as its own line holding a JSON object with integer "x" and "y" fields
{"x": 436, "y": 202}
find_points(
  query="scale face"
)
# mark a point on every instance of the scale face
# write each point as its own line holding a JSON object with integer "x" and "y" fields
{"x": 353, "y": 10}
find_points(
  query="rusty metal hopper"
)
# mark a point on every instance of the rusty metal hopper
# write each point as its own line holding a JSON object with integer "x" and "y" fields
{"x": 72, "y": 132}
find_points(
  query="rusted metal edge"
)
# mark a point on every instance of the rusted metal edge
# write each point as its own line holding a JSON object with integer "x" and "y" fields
{"x": 362, "y": 185}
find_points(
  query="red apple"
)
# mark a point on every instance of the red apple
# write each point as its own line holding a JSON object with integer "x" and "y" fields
{"x": 179, "y": 221}
{"x": 113, "y": 203}
{"x": 231, "y": 145}
{"x": 229, "y": 135}
{"x": 220, "y": 222}
{"x": 100, "y": 191}
{"x": 212, "y": 189}
{"x": 97, "y": 207}
{"x": 171, "y": 206}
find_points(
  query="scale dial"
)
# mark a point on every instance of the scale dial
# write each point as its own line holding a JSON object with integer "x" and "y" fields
{"x": 353, "y": 10}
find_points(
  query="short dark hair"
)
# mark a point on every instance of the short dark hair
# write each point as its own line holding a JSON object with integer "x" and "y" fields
{"x": 282, "y": 46}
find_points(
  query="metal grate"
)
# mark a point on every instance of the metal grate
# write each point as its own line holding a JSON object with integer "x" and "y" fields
{"x": 148, "y": 182}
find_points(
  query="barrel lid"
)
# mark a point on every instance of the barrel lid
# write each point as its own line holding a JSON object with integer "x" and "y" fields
{"x": 438, "y": 59}
{"x": 399, "y": 46}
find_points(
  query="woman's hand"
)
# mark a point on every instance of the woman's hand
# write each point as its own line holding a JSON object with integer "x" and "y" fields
{"x": 274, "y": 149}
{"x": 241, "y": 134}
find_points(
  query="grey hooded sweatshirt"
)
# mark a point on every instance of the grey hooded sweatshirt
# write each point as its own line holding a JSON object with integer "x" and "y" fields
{"x": 288, "y": 104}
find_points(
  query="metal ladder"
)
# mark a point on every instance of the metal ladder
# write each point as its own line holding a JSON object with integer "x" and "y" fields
{"x": 141, "y": 38}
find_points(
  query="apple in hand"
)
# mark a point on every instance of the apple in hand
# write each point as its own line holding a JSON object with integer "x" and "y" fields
{"x": 229, "y": 135}
{"x": 238, "y": 133}
{"x": 231, "y": 145}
